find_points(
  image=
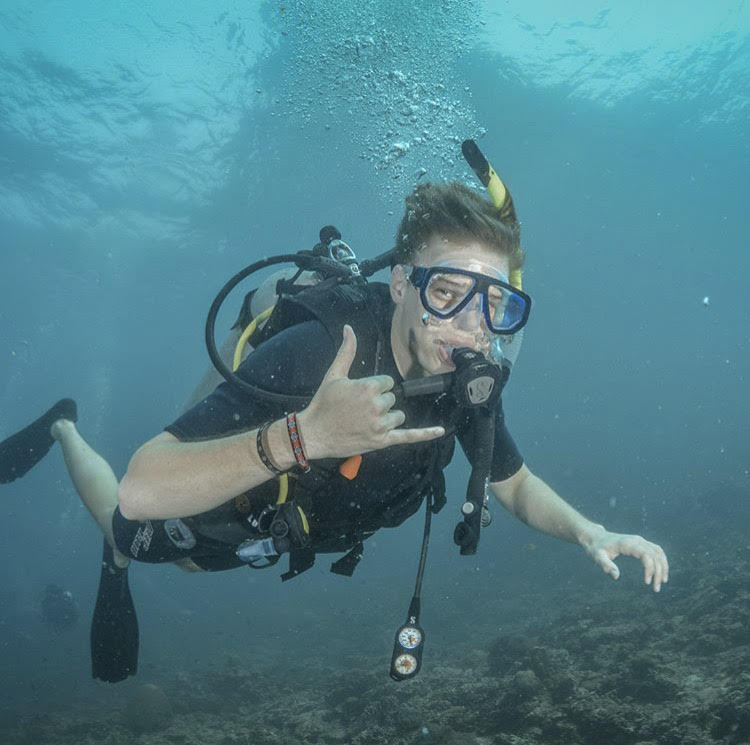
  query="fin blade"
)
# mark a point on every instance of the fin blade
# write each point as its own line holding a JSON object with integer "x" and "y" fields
{"x": 114, "y": 627}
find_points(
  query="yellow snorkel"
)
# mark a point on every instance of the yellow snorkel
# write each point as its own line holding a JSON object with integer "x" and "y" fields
{"x": 506, "y": 348}
{"x": 497, "y": 190}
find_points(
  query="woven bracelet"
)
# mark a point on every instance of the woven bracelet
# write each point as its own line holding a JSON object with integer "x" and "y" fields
{"x": 296, "y": 441}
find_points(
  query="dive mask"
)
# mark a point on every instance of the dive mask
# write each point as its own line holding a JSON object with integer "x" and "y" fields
{"x": 448, "y": 289}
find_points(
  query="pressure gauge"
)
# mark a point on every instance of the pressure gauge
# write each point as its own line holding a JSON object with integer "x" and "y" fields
{"x": 409, "y": 637}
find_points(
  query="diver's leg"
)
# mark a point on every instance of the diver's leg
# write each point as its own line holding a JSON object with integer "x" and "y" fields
{"x": 114, "y": 626}
{"x": 92, "y": 477}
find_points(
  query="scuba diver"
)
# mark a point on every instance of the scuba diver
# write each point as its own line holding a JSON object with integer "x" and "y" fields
{"x": 59, "y": 607}
{"x": 339, "y": 423}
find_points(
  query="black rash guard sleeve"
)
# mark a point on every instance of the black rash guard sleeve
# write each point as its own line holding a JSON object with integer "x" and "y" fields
{"x": 506, "y": 458}
{"x": 292, "y": 362}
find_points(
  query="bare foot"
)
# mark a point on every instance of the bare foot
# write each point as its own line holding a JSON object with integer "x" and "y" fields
{"x": 61, "y": 427}
{"x": 121, "y": 561}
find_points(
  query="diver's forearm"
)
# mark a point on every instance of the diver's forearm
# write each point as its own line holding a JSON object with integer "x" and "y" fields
{"x": 540, "y": 507}
{"x": 167, "y": 478}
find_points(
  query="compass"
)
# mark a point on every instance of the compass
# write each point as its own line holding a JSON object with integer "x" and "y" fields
{"x": 405, "y": 665}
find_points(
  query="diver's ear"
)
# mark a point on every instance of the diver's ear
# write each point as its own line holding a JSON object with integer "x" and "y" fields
{"x": 399, "y": 283}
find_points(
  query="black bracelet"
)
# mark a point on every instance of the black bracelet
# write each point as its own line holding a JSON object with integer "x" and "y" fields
{"x": 262, "y": 451}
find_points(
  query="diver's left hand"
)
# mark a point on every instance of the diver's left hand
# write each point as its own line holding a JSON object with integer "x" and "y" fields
{"x": 606, "y": 546}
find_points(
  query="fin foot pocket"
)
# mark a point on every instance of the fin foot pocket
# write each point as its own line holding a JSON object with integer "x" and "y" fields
{"x": 20, "y": 452}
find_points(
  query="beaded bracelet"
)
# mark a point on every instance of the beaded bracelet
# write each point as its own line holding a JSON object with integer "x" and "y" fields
{"x": 262, "y": 454}
{"x": 296, "y": 440}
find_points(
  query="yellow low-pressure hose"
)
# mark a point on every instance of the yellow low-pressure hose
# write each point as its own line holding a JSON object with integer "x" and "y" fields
{"x": 246, "y": 334}
{"x": 239, "y": 349}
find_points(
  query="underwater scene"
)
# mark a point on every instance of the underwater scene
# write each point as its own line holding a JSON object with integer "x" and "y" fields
{"x": 412, "y": 189}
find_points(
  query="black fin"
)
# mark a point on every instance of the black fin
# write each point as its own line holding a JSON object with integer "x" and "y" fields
{"x": 23, "y": 450}
{"x": 114, "y": 628}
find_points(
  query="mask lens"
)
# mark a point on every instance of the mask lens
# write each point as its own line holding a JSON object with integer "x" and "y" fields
{"x": 507, "y": 308}
{"x": 445, "y": 291}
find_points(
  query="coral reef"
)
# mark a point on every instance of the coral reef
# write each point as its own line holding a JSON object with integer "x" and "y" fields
{"x": 620, "y": 666}
{"x": 147, "y": 709}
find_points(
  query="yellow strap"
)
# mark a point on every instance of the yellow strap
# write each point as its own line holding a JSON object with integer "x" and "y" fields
{"x": 283, "y": 489}
{"x": 305, "y": 524}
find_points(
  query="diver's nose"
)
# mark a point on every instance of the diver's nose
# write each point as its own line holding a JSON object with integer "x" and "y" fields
{"x": 470, "y": 319}
{"x": 471, "y": 324}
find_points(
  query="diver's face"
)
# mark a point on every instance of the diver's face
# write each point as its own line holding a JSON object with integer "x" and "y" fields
{"x": 421, "y": 343}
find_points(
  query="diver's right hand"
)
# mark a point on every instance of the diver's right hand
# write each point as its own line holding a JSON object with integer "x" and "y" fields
{"x": 349, "y": 417}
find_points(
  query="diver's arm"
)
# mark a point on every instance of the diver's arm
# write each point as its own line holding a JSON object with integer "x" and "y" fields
{"x": 534, "y": 502}
{"x": 212, "y": 377}
{"x": 169, "y": 478}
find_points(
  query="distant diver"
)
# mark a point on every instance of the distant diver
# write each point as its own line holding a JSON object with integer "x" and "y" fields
{"x": 338, "y": 424}
{"x": 59, "y": 607}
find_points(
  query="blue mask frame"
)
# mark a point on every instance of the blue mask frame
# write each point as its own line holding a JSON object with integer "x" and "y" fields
{"x": 517, "y": 308}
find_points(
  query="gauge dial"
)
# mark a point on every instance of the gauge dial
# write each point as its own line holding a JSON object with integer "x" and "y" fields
{"x": 409, "y": 637}
{"x": 405, "y": 664}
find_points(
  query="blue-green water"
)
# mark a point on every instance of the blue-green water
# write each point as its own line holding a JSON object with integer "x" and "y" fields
{"x": 148, "y": 151}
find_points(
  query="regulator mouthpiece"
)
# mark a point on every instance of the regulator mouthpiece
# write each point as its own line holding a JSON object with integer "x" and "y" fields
{"x": 477, "y": 382}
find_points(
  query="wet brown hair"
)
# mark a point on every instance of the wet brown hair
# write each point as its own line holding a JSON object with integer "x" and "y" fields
{"x": 454, "y": 211}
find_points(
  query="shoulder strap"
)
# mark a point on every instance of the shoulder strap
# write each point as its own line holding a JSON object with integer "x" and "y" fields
{"x": 333, "y": 302}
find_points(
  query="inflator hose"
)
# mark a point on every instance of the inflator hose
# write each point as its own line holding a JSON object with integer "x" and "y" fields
{"x": 466, "y": 534}
{"x": 303, "y": 261}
